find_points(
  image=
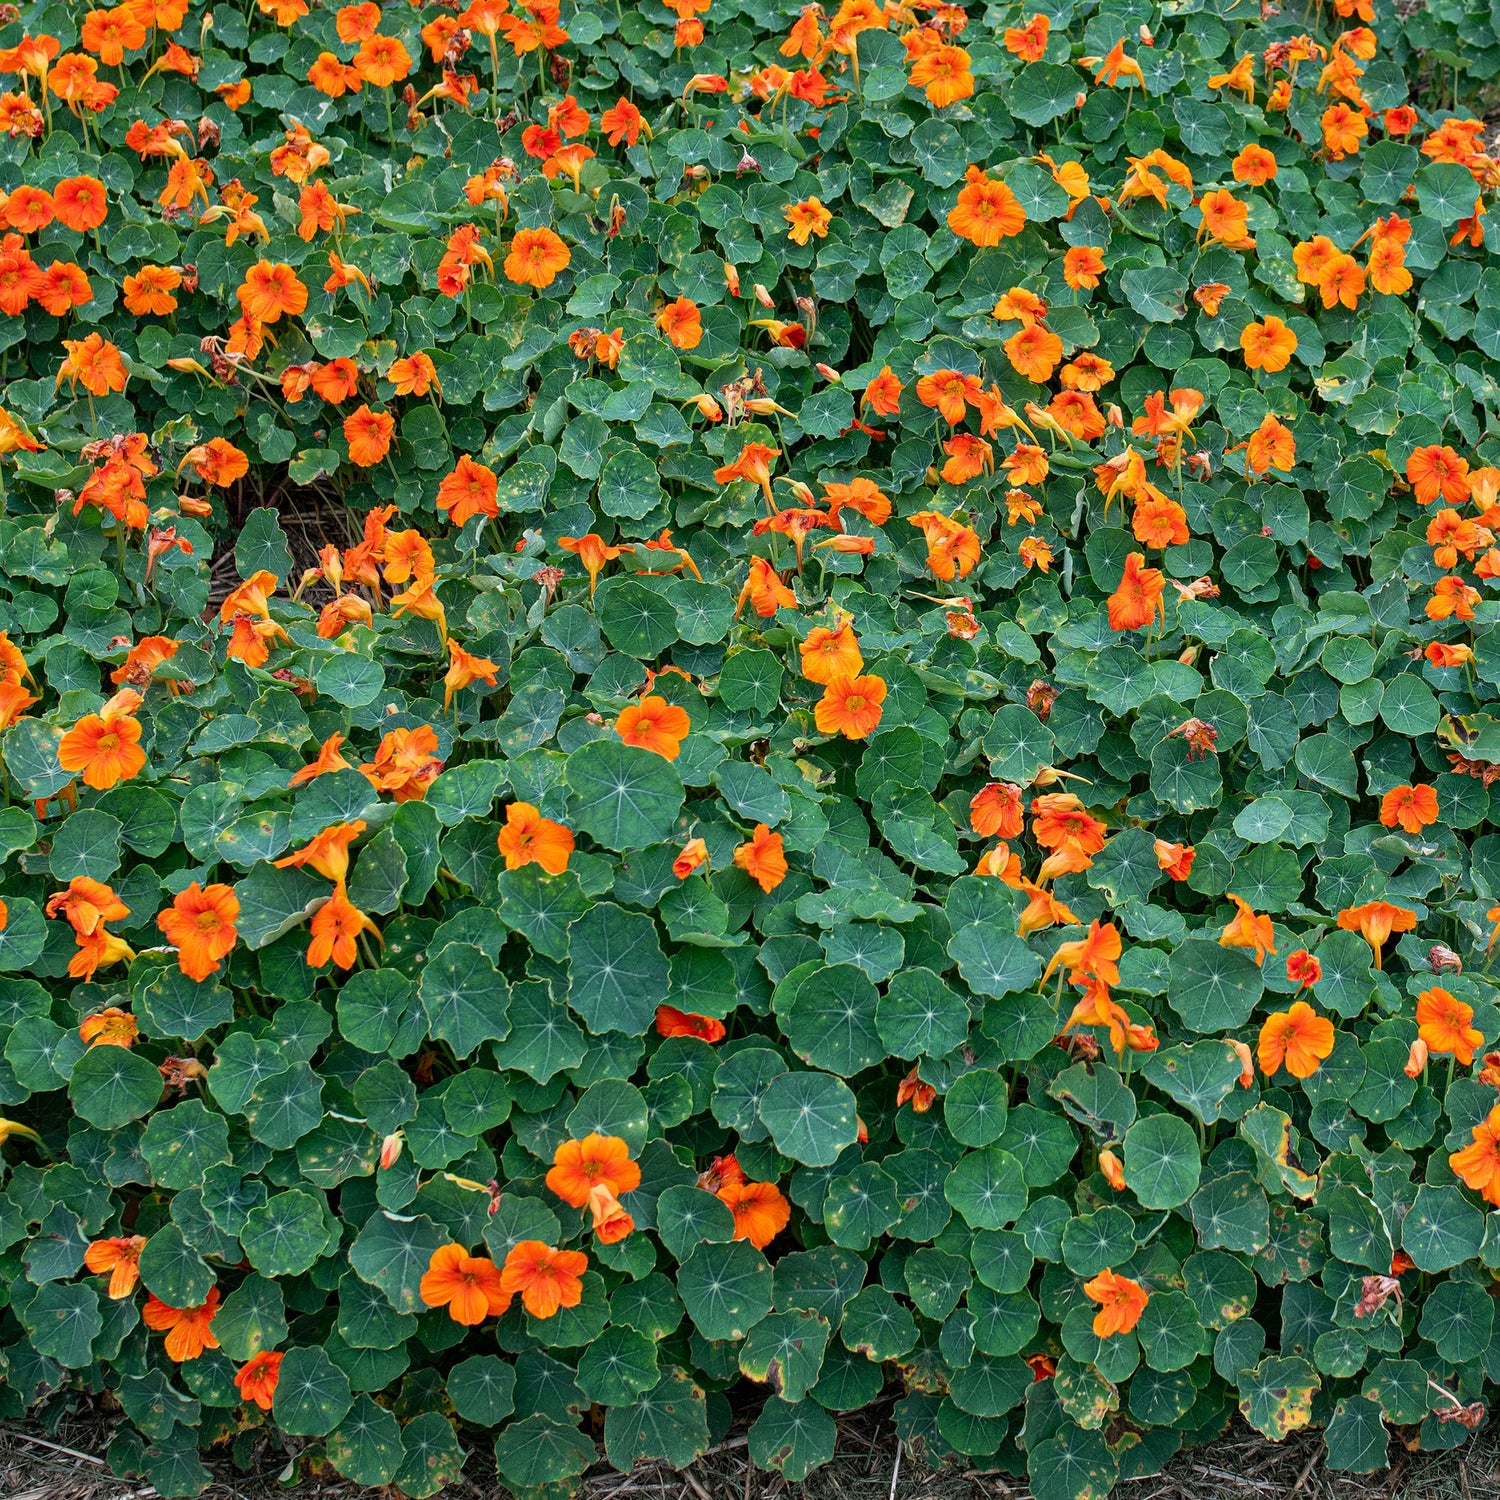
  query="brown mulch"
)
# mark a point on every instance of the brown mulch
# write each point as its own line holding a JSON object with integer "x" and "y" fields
{"x": 870, "y": 1465}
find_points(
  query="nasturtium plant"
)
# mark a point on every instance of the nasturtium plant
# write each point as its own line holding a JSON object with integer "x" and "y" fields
{"x": 714, "y": 710}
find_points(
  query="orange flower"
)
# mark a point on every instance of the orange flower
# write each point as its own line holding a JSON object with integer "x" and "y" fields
{"x": 1113, "y": 1170}
{"x": 1343, "y": 129}
{"x": 257, "y": 1378}
{"x": 105, "y": 749}
{"x": 406, "y": 763}
{"x": 200, "y": 925}
{"x": 763, "y": 859}
{"x": 1444, "y": 1024}
{"x": 1446, "y": 657}
{"x": 1452, "y": 597}
{"x": 270, "y": 290}
{"x": 912, "y": 1090}
{"x": 944, "y": 75}
{"x": 1246, "y": 930}
{"x": 87, "y": 904}
{"x": 1083, "y": 265}
{"x": 1034, "y": 352}
{"x": 121, "y": 1258}
{"x": 1121, "y": 1303}
{"x": 883, "y": 394}
{"x": 754, "y": 463}
{"x": 335, "y": 926}
{"x": 986, "y": 212}
{"x": 529, "y": 838}
{"x": 415, "y": 375}
{"x": 368, "y": 434}
{"x": 1175, "y": 859}
{"x": 827, "y": 654}
{"x": 623, "y": 122}
{"x": 547, "y": 1279}
{"x": 97, "y": 951}
{"x": 536, "y": 258}
{"x": 469, "y": 1286}
{"x": 996, "y": 811}
{"x": 1299, "y": 1037}
{"x": 464, "y": 670}
{"x": 654, "y": 724}
{"x": 1224, "y": 220}
{"x": 80, "y": 203}
{"x": 673, "y": 1022}
{"x": 1029, "y": 43}
{"x": 1478, "y": 1164}
{"x": 1137, "y": 601}
{"x": 329, "y": 760}
{"x": 327, "y": 853}
{"x": 681, "y": 322}
{"x": 1254, "y": 165}
{"x": 593, "y": 552}
{"x": 611, "y": 1223}
{"x": 382, "y": 60}
{"x": 850, "y": 706}
{"x": 111, "y": 1027}
{"x": 952, "y": 549}
{"x": 1413, "y": 807}
{"x": 187, "y": 1328}
{"x": 578, "y": 1166}
{"x": 760, "y": 1212}
{"x": 95, "y": 364}
{"x": 1268, "y": 345}
{"x": 694, "y": 856}
{"x": 1437, "y": 470}
{"x": 806, "y": 219}
{"x": 1095, "y": 956}
{"x": 1375, "y": 921}
{"x": 1043, "y": 910}
{"x": 1303, "y": 969}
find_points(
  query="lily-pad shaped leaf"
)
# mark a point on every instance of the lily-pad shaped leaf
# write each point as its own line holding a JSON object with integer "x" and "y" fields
{"x": 1213, "y": 989}
{"x": 811, "y": 1116}
{"x": 110, "y": 1086}
{"x": 618, "y": 972}
{"x": 626, "y": 798}
{"x": 539, "y": 1451}
{"x": 617, "y": 1368}
{"x": 1276, "y": 1396}
{"x": 466, "y": 1000}
{"x": 785, "y": 1352}
{"x": 1162, "y": 1164}
{"x": 393, "y": 1252}
{"x": 792, "y": 1438}
{"x": 312, "y": 1394}
{"x": 669, "y": 1422}
{"x": 366, "y": 1446}
{"x": 725, "y": 1288}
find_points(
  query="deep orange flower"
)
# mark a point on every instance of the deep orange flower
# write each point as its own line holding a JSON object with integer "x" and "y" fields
{"x": 1254, "y": 165}
{"x": 654, "y": 724}
{"x": 1444, "y": 1024}
{"x": 547, "y": 1279}
{"x": 382, "y": 60}
{"x": 536, "y": 258}
{"x": 611, "y": 1222}
{"x": 217, "y": 462}
{"x": 806, "y": 219}
{"x": 327, "y": 853}
{"x": 673, "y": 1022}
{"x": 760, "y": 1212}
{"x": 110, "y": 1027}
{"x": 1175, "y": 859}
{"x": 1246, "y": 930}
{"x": 623, "y": 122}
{"x": 1413, "y": 807}
{"x": 415, "y": 375}
{"x": 986, "y": 212}
{"x": 1095, "y": 956}
{"x": 1375, "y": 921}
{"x": 335, "y": 926}
{"x": 257, "y": 1378}
{"x": 104, "y": 749}
{"x": 951, "y": 392}
{"x": 763, "y": 859}
{"x": 95, "y": 364}
{"x": 914, "y": 1091}
{"x": 1121, "y": 1303}
{"x": 86, "y": 904}
{"x": 1478, "y": 1164}
{"x": 996, "y": 810}
{"x": 529, "y": 838}
{"x": 1028, "y": 42}
{"x": 98, "y": 950}
{"x": 200, "y": 925}
{"x": 827, "y": 654}
{"x": 694, "y": 856}
{"x": 1268, "y": 345}
{"x": 120, "y": 1258}
{"x": 80, "y": 203}
{"x": 469, "y": 1286}
{"x": 1436, "y": 470}
{"x": 187, "y": 1328}
{"x": 883, "y": 394}
{"x": 1298, "y": 1037}
{"x": 1083, "y": 266}
{"x": 1303, "y": 969}
{"x": 328, "y": 760}
{"x": 1137, "y": 601}
{"x": 270, "y": 291}
{"x": 406, "y": 763}
{"x": 464, "y": 670}
{"x": 682, "y": 323}
{"x": 368, "y": 434}
{"x": 944, "y": 75}
{"x": 850, "y": 706}
{"x": 593, "y": 552}
{"x": 578, "y": 1166}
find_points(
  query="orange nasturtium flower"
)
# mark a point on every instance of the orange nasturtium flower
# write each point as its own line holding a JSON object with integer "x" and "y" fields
{"x": 1445, "y": 1024}
{"x": 654, "y": 724}
{"x": 1094, "y": 956}
{"x": 1121, "y": 1303}
{"x": 547, "y": 1279}
{"x": 1268, "y": 345}
{"x": 987, "y": 211}
{"x": 105, "y": 747}
{"x": 1375, "y": 921}
{"x": 806, "y": 219}
{"x": 464, "y": 670}
{"x": 120, "y": 1258}
{"x": 187, "y": 1328}
{"x": 110, "y": 1027}
{"x": 1478, "y": 1164}
{"x": 760, "y": 1212}
{"x": 850, "y": 706}
{"x": 1137, "y": 601}
{"x": 1412, "y": 807}
{"x": 1175, "y": 859}
{"x": 470, "y": 490}
{"x": 1246, "y": 930}
{"x": 326, "y": 852}
{"x": 405, "y": 764}
{"x": 1436, "y": 470}
{"x": 87, "y": 904}
{"x": 257, "y": 1378}
{"x": 536, "y": 258}
{"x": 335, "y": 926}
{"x": 1303, "y": 969}
{"x": 996, "y": 810}
{"x": 469, "y": 1286}
{"x": 673, "y": 1022}
{"x": 200, "y": 925}
{"x": 827, "y": 654}
{"x": 1298, "y": 1037}
{"x": 593, "y": 552}
{"x": 763, "y": 859}
{"x": 578, "y": 1166}
{"x": 611, "y": 1221}
{"x": 530, "y": 839}
{"x": 944, "y": 75}
{"x": 693, "y": 856}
